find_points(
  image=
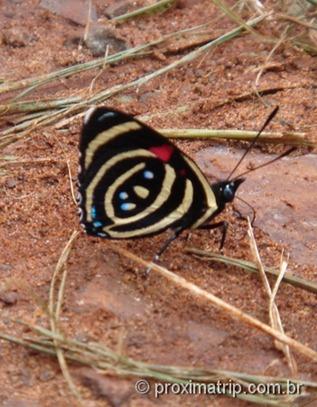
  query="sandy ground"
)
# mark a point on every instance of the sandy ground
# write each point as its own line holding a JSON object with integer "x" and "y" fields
{"x": 107, "y": 299}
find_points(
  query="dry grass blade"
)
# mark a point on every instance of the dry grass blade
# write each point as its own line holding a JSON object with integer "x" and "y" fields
{"x": 294, "y": 138}
{"x": 259, "y": 8}
{"x": 157, "y": 7}
{"x": 266, "y": 63}
{"x": 230, "y": 13}
{"x": 55, "y": 309}
{"x": 53, "y": 342}
{"x": 219, "y": 303}
{"x": 33, "y": 83}
{"x": 275, "y": 319}
{"x": 289, "y": 356}
{"x": 37, "y": 106}
{"x": 309, "y": 48}
{"x": 71, "y": 186}
{"x": 101, "y": 71}
{"x": 89, "y": 20}
{"x": 11, "y": 135}
{"x": 251, "y": 268}
{"x": 108, "y": 362}
{"x": 296, "y": 20}
{"x": 100, "y": 97}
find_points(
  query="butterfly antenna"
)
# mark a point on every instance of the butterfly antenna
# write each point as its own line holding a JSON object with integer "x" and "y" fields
{"x": 267, "y": 121}
{"x": 287, "y": 152}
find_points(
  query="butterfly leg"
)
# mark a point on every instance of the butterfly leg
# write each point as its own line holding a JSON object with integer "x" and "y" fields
{"x": 246, "y": 217}
{"x": 223, "y": 225}
{"x": 176, "y": 233}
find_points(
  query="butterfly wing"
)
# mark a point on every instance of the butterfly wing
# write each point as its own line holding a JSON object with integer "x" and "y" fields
{"x": 134, "y": 182}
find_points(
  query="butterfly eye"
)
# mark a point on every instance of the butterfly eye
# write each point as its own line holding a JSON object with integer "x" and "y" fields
{"x": 228, "y": 193}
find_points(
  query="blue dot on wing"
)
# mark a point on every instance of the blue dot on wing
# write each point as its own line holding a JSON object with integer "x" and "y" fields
{"x": 97, "y": 224}
{"x": 123, "y": 195}
{"x": 128, "y": 206}
{"x": 148, "y": 174}
{"x": 93, "y": 212}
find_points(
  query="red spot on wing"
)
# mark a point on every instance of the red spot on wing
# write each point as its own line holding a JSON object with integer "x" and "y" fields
{"x": 163, "y": 152}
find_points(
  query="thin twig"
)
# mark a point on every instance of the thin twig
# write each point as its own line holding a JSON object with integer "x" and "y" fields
{"x": 230, "y": 13}
{"x": 224, "y": 306}
{"x": 150, "y": 9}
{"x": 295, "y": 20}
{"x": 275, "y": 319}
{"x": 234, "y": 134}
{"x": 77, "y": 108}
{"x": 55, "y": 309}
{"x": 71, "y": 185}
{"x": 276, "y": 46}
{"x": 251, "y": 267}
{"x": 289, "y": 356}
{"x": 87, "y": 28}
{"x": 105, "y": 360}
{"x": 35, "y": 82}
{"x": 101, "y": 71}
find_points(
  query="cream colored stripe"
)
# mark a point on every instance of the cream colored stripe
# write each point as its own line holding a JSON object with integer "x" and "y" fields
{"x": 210, "y": 196}
{"x": 102, "y": 171}
{"x": 159, "y": 201}
{"x": 178, "y": 213}
{"x": 106, "y": 136}
{"x": 203, "y": 219}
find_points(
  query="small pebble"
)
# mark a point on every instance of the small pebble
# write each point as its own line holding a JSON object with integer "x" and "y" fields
{"x": 100, "y": 38}
{"x": 46, "y": 375}
{"x": 74, "y": 10}
{"x": 118, "y": 8}
{"x": 11, "y": 183}
{"x": 9, "y": 297}
{"x": 6, "y": 267}
{"x": 17, "y": 38}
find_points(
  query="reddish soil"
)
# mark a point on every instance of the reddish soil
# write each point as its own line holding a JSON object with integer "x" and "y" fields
{"x": 107, "y": 299}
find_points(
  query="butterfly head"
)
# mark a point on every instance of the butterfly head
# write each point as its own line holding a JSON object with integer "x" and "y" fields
{"x": 225, "y": 191}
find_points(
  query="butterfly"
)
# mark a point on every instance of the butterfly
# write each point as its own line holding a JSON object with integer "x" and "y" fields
{"x": 133, "y": 182}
